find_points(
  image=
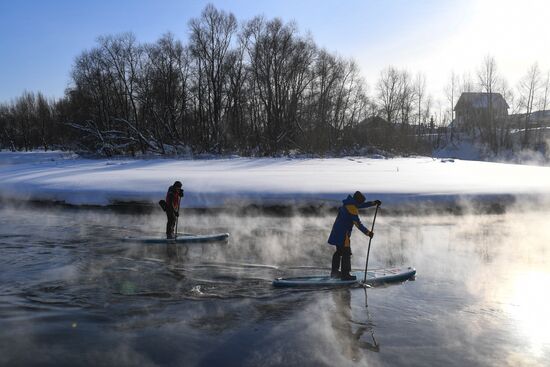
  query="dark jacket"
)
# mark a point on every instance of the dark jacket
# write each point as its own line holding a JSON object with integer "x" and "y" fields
{"x": 173, "y": 197}
{"x": 348, "y": 216}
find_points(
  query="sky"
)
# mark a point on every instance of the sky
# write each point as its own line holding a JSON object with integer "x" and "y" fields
{"x": 39, "y": 40}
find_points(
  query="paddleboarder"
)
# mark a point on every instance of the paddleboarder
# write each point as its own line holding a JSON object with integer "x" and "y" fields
{"x": 348, "y": 216}
{"x": 173, "y": 198}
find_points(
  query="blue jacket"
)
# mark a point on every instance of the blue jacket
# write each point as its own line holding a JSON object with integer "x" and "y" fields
{"x": 348, "y": 216}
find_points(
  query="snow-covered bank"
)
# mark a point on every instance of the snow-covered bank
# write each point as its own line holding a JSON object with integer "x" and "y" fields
{"x": 263, "y": 181}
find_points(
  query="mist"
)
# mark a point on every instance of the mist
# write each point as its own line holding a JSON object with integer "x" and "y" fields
{"x": 71, "y": 273}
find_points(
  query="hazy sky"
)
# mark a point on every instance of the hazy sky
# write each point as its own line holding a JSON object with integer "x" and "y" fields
{"x": 40, "y": 39}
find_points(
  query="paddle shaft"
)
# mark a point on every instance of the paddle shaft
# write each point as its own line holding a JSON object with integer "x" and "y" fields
{"x": 368, "y": 251}
{"x": 177, "y": 220}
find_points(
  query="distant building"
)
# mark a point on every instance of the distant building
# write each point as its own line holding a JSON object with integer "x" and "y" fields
{"x": 474, "y": 108}
{"x": 535, "y": 119}
{"x": 541, "y": 116}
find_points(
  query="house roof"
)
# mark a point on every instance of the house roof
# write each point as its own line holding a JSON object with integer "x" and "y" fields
{"x": 480, "y": 100}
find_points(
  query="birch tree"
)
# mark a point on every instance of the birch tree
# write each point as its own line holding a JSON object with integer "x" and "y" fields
{"x": 529, "y": 87}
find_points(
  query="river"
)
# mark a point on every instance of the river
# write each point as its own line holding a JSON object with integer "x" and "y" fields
{"x": 74, "y": 293}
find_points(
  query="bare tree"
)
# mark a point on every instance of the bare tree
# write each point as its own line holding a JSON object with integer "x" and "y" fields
{"x": 45, "y": 120}
{"x": 488, "y": 80}
{"x": 239, "y": 132}
{"x": 545, "y": 95}
{"x": 488, "y": 75}
{"x": 406, "y": 98}
{"x": 267, "y": 91}
{"x": 328, "y": 71}
{"x": 420, "y": 91}
{"x": 529, "y": 87}
{"x": 389, "y": 93}
{"x": 280, "y": 66}
{"x": 211, "y": 37}
{"x": 122, "y": 56}
{"x": 164, "y": 91}
{"x": 467, "y": 84}
{"x": 451, "y": 92}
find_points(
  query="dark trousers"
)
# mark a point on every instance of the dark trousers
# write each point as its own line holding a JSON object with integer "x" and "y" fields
{"x": 342, "y": 255}
{"x": 171, "y": 223}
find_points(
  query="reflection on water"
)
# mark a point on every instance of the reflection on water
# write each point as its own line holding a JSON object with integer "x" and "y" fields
{"x": 353, "y": 336}
{"x": 71, "y": 291}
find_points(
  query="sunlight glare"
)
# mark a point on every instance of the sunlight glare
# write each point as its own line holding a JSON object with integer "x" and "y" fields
{"x": 528, "y": 303}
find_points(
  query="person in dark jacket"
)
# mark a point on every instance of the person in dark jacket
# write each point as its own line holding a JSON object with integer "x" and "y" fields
{"x": 348, "y": 216}
{"x": 173, "y": 198}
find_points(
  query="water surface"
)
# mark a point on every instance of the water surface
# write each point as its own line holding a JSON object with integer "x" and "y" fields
{"x": 73, "y": 293}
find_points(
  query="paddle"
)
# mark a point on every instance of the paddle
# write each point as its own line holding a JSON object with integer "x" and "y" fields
{"x": 176, "y": 233}
{"x": 177, "y": 220}
{"x": 368, "y": 251}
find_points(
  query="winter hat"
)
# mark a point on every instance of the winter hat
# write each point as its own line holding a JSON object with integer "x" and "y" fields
{"x": 177, "y": 184}
{"x": 359, "y": 197}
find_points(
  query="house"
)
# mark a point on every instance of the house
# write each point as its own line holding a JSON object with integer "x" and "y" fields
{"x": 535, "y": 119}
{"x": 475, "y": 108}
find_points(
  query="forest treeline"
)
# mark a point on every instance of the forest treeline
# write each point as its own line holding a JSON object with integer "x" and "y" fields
{"x": 255, "y": 88}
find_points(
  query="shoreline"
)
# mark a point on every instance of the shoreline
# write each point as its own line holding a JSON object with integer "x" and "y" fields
{"x": 274, "y": 186}
{"x": 495, "y": 204}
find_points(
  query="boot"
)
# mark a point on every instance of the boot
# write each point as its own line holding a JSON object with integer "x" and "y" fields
{"x": 335, "y": 273}
{"x": 346, "y": 265}
{"x": 348, "y": 276}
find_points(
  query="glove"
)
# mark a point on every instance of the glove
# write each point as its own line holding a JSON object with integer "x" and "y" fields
{"x": 181, "y": 193}
{"x": 370, "y": 234}
{"x": 377, "y": 202}
{"x": 177, "y": 214}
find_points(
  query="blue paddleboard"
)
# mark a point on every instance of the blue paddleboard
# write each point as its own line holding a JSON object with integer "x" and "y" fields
{"x": 184, "y": 238}
{"x": 374, "y": 277}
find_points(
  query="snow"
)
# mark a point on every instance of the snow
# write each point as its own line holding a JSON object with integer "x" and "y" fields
{"x": 465, "y": 149}
{"x": 230, "y": 182}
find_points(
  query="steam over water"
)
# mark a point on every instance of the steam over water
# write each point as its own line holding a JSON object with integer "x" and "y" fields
{"x": 73, "y": 293}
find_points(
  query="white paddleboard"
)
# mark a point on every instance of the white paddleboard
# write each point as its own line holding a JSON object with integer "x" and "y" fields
{"x": 184, "y": 238}
{"x": 374, "y": 277}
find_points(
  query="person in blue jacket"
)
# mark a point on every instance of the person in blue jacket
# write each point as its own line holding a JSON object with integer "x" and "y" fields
{"x": 348, "y": 216}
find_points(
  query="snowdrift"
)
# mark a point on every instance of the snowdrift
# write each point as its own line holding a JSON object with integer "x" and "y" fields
{"x": 214, "y": 183}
